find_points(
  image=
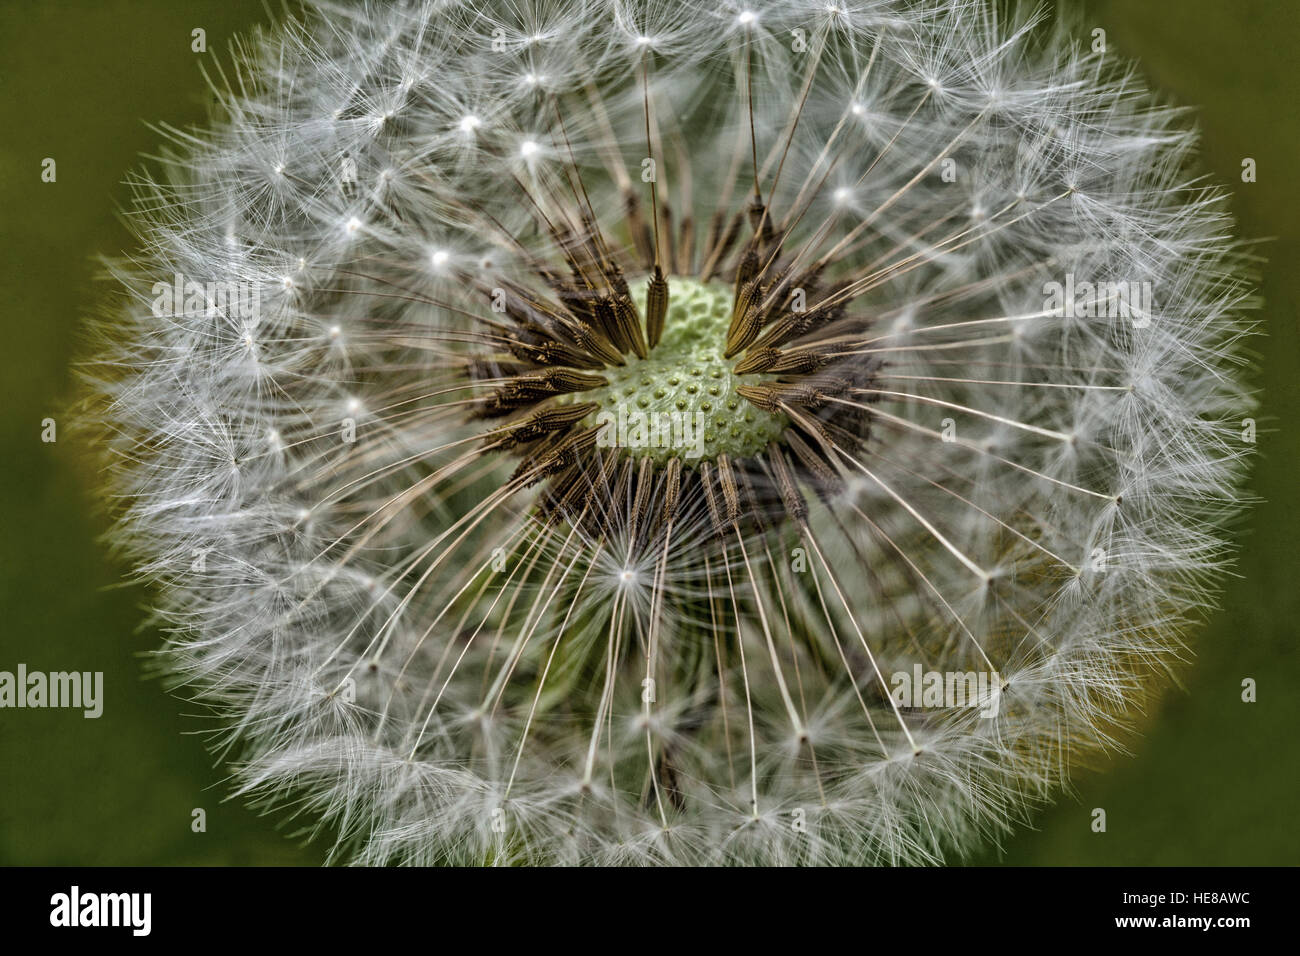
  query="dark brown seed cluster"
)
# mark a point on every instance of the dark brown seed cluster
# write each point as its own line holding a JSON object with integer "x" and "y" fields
{"x": 791, "y": 329}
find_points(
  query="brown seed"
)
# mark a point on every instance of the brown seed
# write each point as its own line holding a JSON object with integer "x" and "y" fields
{"x": 656, "y": 307}
{"x": 758, "y": 360}
{"x": 763, "y": 396}
{"x": 730, "y": 495}
{"x": 795, "y": 503}
{"x": 706, "y": 481}
{"x": 812, "y": 460}
{"x": 644, "y": 484}
{"x": 746, "y": 269}
{"x": 560, "y": 455}
{"x": 746, "y": 320}
{"x": 672, "y": 488}
{"x": 546, "y": 420}
{"x": 630, "y": 324}
{"x": 801, "y": 362}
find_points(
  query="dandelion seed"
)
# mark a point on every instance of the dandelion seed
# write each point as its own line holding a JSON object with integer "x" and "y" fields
{"x": 619, "y": 537}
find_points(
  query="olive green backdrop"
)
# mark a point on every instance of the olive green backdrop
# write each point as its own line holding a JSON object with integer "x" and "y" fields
{"x": 1213, "y": 781}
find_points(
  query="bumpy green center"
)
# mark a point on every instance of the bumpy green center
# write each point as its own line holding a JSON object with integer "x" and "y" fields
{"x": 681, "y": 401}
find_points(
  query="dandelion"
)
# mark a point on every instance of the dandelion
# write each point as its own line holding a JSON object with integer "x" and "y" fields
{"x": 640, "y": 393}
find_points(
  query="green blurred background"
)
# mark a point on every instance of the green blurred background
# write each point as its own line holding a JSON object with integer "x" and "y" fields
{"x": 1214, "y": 780}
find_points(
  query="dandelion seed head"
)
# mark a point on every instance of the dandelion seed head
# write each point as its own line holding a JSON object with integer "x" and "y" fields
{"x": 614, "y": 404}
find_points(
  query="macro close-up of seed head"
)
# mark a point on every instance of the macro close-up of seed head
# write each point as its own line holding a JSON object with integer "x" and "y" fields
{"x": 604, "y": 432}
